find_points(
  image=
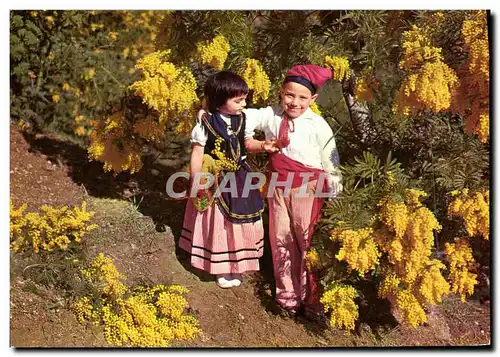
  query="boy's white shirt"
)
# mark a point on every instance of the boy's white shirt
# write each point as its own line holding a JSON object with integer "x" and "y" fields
{"x": 312, "y": 142}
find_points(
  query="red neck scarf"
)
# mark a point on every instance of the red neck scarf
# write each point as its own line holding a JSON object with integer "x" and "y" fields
{"x": 287, "y": 125}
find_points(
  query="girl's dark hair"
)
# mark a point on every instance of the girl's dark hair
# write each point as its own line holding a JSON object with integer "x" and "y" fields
{"x": 223, "y": 86}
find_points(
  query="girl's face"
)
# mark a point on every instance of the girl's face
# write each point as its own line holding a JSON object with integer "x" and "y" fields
{"x": 295, "y": 99}
{"x": 234, "y": 105}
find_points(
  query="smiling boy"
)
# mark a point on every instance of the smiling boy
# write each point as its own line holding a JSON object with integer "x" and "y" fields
{"x": 306, "y": 146}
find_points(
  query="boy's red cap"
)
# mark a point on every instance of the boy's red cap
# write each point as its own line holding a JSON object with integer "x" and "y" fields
{"x": 317, "y": 75}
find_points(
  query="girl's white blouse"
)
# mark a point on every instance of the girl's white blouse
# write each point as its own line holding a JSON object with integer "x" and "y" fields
{"x": 199, "y": 134}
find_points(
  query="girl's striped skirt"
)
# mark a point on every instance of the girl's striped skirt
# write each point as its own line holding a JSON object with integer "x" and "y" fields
{"x": 218, "y": 246}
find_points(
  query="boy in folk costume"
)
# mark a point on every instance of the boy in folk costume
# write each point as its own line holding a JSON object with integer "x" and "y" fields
{"x": 225, "y": 239}
{"x": 306, "y": 148}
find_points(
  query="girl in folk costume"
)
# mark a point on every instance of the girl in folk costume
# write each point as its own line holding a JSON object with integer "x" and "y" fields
{"x": 307, "y": 150}
{"x": 225, "y": 239}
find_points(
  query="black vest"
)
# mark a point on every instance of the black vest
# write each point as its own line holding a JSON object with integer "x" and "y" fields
{"x": 210, "y": 144}
{"x": 236, "y": 209}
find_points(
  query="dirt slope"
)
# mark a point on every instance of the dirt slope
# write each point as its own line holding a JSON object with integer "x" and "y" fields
{"x": 142, "y": 241}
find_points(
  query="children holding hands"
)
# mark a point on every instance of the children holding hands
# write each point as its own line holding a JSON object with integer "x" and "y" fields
{"x": 303, "y": 169}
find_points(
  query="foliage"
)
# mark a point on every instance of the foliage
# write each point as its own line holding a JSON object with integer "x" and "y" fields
{"x": 474, "y": 210}
{"x": 54, "y": 229}
{"x": 419, "y": 79}
{"x": 168, "y": 92}
{"x": 257, "y": 80}
{"x": 71, "y": 67}
{"x": 340, "y": 299}
{"x": 140, "y": 316}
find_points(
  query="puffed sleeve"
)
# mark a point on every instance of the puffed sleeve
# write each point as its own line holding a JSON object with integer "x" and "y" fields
{"x": 256, "y": 119}
{"x": 330, "y": 159}
{"x": 199, "y": 134}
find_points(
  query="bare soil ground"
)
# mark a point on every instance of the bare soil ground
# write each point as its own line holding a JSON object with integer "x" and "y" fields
{"x": 139, "y": 228}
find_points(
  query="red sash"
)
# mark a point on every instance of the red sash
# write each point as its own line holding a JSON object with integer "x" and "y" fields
{"x": 283, "y": 165}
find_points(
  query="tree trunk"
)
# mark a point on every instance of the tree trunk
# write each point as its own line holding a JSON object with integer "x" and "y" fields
{"x": 360, "y": 114}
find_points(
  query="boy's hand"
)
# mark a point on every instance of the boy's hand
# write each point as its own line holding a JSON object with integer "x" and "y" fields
{"x": 334, "y": 186}
{"x": 201, "y": 112}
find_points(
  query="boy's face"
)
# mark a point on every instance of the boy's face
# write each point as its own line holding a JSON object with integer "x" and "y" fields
{"x": 295, "y": 99}
{"x": 234, "y": 105}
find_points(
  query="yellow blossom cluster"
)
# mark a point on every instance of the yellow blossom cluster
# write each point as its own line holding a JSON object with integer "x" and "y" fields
{"x": 417, "y": 49}
{"x": 150, "y": 128}
{"x": 407, "y": 237}
{"x": 214, "y": 53}
{"x": 55, "y": 228}
{"x": 389, "y": 285}
{"x": 169, "y": 90}
{"x": 429, "y": 87}
{"x": 413, "y": 311}
{"x": 84, "y": 310}
{"x": 483, "y": 129}
{"x": 365, "y": 86}
{"x": 475, "y": 35}
{"x": 429, "y": 82}
{"x": 140, "y": 317}
{"x": 254, "y": 75}
{"x": 472, "y": 99}
{"x": 223, "y": 162}
{"x": 312, "y": 259}
{"x": 113, "y": 36}
{"x": 89, "y": 73}
{"x": 474, "y": 209}
{"x": 110, "y": 145}
{"x": 358, "y": 248}
{"x": 363, "y": 91}
{"x": 433, "y": 286}
{"x": 459, "y": 256}
{"x": 417, "y": 244}
{"x": 149, "y": 23}
{"x": 50, "y": 21}
{"x": 340, "y": 300}
{"x": 82, "y": 126}
{"x": 339, "y": 67}
{"x": 412, "y": 197}
{"x": 395, "y": 216}
{"x": 95, "y": 27}
{"x": 210, "y": 165}
{"x": 103, "y": 274}
{"x": 314, "y": 107}
{"x": 401, "y": 236}
{"x": 66, "y": 87}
